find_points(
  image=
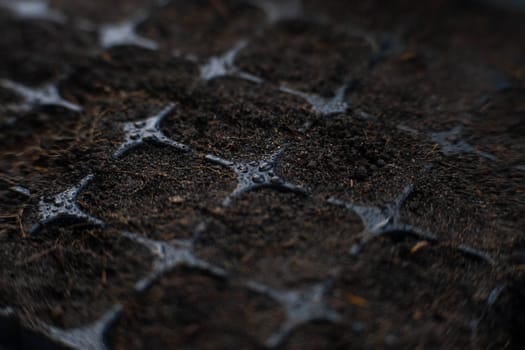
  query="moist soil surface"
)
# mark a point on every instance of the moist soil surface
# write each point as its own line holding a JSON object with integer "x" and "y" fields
{"x": 433, "y": 106}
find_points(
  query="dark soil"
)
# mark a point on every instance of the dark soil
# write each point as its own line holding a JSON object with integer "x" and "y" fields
{"x": 413, "y": 71}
